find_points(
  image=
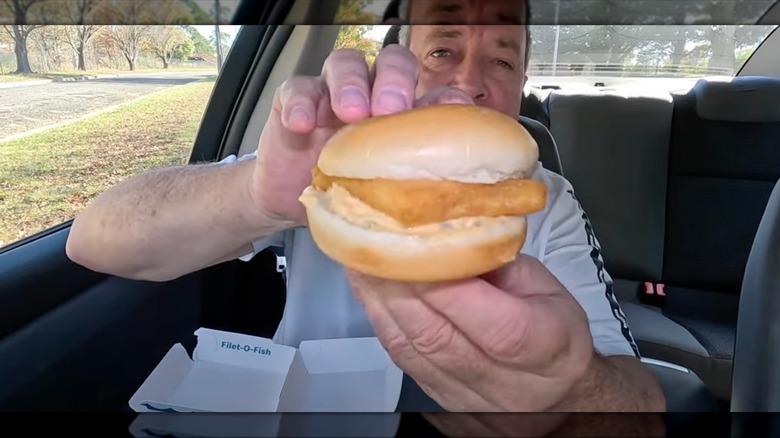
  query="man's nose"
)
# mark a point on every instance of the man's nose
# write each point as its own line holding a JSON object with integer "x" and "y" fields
{"x": 469, "y": 78}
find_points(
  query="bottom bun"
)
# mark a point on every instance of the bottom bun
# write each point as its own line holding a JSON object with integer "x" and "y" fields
{"x": 451, "y": 254}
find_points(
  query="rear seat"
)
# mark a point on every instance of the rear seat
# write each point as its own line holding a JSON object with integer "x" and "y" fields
{"x": 675, "y": 187}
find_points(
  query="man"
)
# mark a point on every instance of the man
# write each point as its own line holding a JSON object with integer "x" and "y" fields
{"x": 544, "y": 334}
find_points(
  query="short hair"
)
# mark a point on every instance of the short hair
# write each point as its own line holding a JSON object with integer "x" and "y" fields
{"x": 403, "y": 31}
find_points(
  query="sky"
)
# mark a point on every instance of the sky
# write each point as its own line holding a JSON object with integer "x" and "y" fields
{"x": 377, "y": 33}
{"x": 207, "y": 30}
{"x": 373, "y": 6}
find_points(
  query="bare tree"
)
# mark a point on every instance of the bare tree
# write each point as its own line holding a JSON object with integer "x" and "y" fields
{"x": 105, "y": 53}
{"x": 82, "y": 13}
{"x": 163, "y": 41}
{"x": 128, "y": 33}
{"x": 20, "y": 31}
{"x": 129, "y": 39}
{"x": 50, "y": 41}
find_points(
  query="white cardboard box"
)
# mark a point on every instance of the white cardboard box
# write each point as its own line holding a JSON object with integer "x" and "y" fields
{"x": 232, "y": 372}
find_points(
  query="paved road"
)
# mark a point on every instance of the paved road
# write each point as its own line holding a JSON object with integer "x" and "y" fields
{"x": 36, "y": 106}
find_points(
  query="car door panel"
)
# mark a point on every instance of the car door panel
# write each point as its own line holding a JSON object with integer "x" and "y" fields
{"x": 36, "y": 277}
{"x": 89, "y": 353}
{"x": 76, "y": 340}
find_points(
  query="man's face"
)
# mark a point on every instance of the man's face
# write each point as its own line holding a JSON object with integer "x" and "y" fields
{"x": 485, "y": 61}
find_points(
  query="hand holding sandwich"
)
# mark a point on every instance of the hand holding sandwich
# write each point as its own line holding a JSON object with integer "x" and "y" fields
{"x": 308, "y": 110}
{"x": 426, "y": 209}
{"x": 513, "y": 340}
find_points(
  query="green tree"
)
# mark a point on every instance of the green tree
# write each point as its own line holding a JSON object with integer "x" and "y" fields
{"x": 184, "y": 50}
{"x": 198, "y": 14}
{"x": 162, "y": 42}
{"x": 354, "y": 37}
{"x": 353, "y": 12}
{"x": 201, "y": 44}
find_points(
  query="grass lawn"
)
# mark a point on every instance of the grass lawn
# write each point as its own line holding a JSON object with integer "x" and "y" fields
{"x": 47, "y": 178}
{"x": 8, "y": 77}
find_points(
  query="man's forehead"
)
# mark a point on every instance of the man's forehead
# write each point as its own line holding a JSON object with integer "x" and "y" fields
{"x": 467, "y": 11}
{"x": 503, "y": 36}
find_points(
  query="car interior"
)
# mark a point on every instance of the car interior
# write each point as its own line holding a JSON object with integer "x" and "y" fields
{"x": 681, "y": 188}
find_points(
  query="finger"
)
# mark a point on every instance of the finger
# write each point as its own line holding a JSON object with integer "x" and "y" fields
{"x": 508, "y": 329}
{"x": 444, "y": 95}
{"x": 525, "y": 332}
{"x": 419, "y": 330}
{"x": 420, "y": 327}
{"x": 451, "y": 393}
{"x": 490, "y": 318}
{"x": 297, "y": 100}
{"x": 346, "y": 78}
{"x": 395, "y": 74}
{"x": 525, "y": 276}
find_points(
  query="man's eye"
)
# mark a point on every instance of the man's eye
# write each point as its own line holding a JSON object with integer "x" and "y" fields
{"x": 441, "y": 53}
{"x": 505, "y": 64}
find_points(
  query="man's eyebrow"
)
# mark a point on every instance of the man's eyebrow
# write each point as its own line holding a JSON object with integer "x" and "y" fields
{"x": 444, "y": 8}
{"x": 508, "y": 18}
{"x": 508, "y": 43}
{"x": 444, "y": 33}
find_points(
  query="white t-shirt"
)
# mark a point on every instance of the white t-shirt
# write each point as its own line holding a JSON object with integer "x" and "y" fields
{"x": 320, "y": 304}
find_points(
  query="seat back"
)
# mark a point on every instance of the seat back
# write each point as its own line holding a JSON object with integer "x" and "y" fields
{"x": 675, "y": 187}
{"x": 723, "y": 164}
{"x": 548, "y": 149}
{"x": 614, "y": 147}
{"x": 756, "y": 376}
{"x": 391, "y": 37}
{"x": 391, "y": 11}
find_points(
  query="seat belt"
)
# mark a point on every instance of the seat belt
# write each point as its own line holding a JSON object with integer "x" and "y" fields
{"x": 653, "y": 294}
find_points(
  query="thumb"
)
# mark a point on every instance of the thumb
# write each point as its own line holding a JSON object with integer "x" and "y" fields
{"x": 524, "y": 276}
{"x": 444, "y": 95}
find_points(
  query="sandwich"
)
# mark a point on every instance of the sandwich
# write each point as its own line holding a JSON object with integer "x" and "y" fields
{"x": 438, "y": 193}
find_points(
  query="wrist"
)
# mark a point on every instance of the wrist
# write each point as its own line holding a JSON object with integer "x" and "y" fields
{"x": 258, "y": 218}
{"x": 586, "y": 387}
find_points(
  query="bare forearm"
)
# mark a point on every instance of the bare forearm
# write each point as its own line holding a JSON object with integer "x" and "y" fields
{"x": 611, "y": 385}
{"x": 166, "y": 223}
{"x": 614, "y": 384}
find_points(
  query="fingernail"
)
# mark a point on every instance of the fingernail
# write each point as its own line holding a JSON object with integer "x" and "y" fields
{"x": 299, "y": 114}
{"x": 391, "y": 101}
{"x": 352, "y": 97}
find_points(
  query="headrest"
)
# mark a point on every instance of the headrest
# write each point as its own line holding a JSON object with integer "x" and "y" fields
{"x": 741, "y": 99}
{"x": 391, "y": 37}
{"x": 392, "y": 10}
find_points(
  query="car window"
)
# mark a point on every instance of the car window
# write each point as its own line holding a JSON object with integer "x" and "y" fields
{"x": 83, "y": 107}
{"x": 365, "y": 38}
{"x": 662, "y": 57}
{"x": 361, "y": 11}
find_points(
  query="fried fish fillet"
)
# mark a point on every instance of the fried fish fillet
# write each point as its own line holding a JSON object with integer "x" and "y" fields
{"x": 421, "y": 202}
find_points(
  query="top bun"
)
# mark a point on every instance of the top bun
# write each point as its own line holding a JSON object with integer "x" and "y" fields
{"x": 464, "y": 143}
